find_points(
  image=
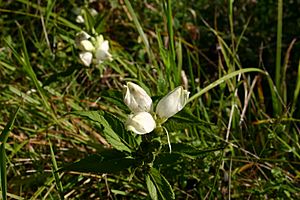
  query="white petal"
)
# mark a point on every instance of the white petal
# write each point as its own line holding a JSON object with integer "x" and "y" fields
{"x": 86, "y": 45}
{"x": 101, "y": 55}
{"x": 104, "y": 46}
{"x": 140, "y": 123}
{"x": 172, "y": 103}
{"x": 86, "y": 58}
{"x": 136, "y": 98}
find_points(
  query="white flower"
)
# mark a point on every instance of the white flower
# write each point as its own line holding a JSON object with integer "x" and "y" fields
{"x": 86, "y": 58}
{"x": 172, "y": 103}
{"x": 137, "y": 99}
{"x": 140, "y": 123}
{"x": 102, "y": 48}
{"x": 92, "y": 49}
{"x": 140, "y": 103}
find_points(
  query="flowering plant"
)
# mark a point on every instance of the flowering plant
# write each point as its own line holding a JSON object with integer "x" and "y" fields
{"x": 131, "y": 152}
{"x": 143, "y": 120}
{"x": 93, "y": 49}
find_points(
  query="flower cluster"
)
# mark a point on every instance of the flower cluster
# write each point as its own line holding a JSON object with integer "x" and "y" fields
{"x": 93, "y": 49}
{"x": 143, "y": 120}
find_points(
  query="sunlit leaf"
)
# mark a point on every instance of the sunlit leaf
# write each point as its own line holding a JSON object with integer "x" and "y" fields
{"x": 111, "y": 136}
{"x": 162, "y": 186}
{"x": 151, "y": 188}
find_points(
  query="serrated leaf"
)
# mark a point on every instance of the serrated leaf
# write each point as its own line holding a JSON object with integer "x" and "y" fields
{"x": 109, "y": 161}
{"x": 163, "y": 187}
{"x": 119, "y": 128}
{"x": 111, "y": 136}
{"x": 151, "y": 188}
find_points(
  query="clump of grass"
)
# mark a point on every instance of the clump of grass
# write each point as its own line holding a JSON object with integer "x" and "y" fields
{"x": 238, "y": 136}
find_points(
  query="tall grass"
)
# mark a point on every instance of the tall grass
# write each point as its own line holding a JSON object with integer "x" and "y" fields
{"x": 237, "y": 138}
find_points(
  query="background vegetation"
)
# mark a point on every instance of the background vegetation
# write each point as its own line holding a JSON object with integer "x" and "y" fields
{"x": 245, "y": 129}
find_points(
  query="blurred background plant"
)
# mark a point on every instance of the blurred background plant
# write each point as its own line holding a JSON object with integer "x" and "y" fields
{"x": 238, "y": 137}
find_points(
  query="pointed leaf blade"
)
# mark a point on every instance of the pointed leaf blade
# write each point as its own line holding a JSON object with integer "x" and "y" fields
{"x": 151, "y": 188}
{"x": 111, "y": 136}
{"x": 163, "y": 187}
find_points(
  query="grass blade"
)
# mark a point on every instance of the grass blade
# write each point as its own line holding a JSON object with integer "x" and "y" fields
{"x": 224, "y": 78}
{"x": 172, "y": 52}
{"x": 25, "y": 62}
{"x": 8, "y": 127}
{"x": 3, "y": 172}
{"x": 296, "y": 92}
{"x": 279, "y": 44}
{"x": 55, "y": 173}
{"x": 3, "y": 139}
{"x": 140, "y": 30}
{"x": 278, "y": 52}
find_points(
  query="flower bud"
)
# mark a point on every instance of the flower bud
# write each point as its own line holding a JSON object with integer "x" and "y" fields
{"x": 172, "y": 103}
{"x": 79, "y": 19}
{"x": 102, "y": 48}
{"x": 140, "y": 123}
{"x": 86, "y": 58}
{"x": 136, "y": 98}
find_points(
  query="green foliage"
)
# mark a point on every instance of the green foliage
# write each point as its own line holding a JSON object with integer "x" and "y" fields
{"x": 107, "y": 123}
{"x": 108, "y": 161}
{"x": 3, "y": 139}
{"x": 158, "y": 186}
{"x": 238, "y": 137}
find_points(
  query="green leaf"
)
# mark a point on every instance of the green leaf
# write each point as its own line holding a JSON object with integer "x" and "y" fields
{"x": 114, "y": 97}
{"x": 109, "y": 161}
{"x": 151, "y": 188}
{"x": 24, "y": 60}
{"x": 179, "y": 153}
{"x": 3, "y": 138}
{"x": 111, "y": 136}
{"x": 222, "y": 79}
{"x": 188, "y": 150}
{"x": 89, "y": 19}
{"x": 163, "y": 187}
{"x": 166, "y": 158}
{"x": 58, "y": 182}
{"x": 185, "y": 119}
{"x": 119, "y": 128}
{"x": 3, "y": 172}
{"x": 8, "y": 127}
